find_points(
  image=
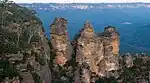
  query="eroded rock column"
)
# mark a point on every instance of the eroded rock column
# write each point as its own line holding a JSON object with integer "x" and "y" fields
{"x": 61, "y": 51}
{"x": 89, "y": 52}
{"x": 60, "y": 41}
{"x": 111, "y": 50}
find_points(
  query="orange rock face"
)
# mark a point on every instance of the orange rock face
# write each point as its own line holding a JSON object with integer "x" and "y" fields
{"x": 89, "y": 48}
{"x": 98, "y": 50}
{"x": 115, "y": 44}
{"x": 60, "y": 60}
{"x": 60, "y": 41}
{"x": 114, "y": 39}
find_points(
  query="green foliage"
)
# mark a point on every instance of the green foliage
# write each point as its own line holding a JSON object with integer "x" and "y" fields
{"x": 7, "y": 70}
{"x": 8, "y": 42}
{"x": 12, "y": 41}
{"x": 32, "y": 30}
{"x": 10, "y": 72}
{"x": 18, "y": 14}
{"x": 12, "y": 13}
{"x": 36, "y": 77}
{"x": 129, "y": 74}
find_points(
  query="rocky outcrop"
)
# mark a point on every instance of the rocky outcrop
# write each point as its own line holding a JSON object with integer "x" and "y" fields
{"x": 128, "y": 59}
{"x": 113, "y": 36}
{"x": 89, "y": 51}
{"x": 97, "y": 60}
{"x": 110, "y": 39}
{"x": 62, "y": 51}
{"x": 89, "y": 48}
{"x": 98, "y": 51}
{"x": 60, "y": 41}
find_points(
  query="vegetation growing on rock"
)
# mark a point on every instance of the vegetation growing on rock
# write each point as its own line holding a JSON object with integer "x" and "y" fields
{"x": 23, "y": 45}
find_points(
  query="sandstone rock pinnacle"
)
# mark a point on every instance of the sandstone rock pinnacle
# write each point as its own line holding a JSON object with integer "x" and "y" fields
{"x": 60, "y": 41}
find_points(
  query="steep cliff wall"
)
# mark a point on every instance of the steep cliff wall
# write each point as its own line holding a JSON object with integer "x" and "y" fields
{"x": 23, "y": 44}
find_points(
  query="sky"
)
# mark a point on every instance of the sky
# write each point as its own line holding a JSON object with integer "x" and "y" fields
{"x": 79, "y": 1}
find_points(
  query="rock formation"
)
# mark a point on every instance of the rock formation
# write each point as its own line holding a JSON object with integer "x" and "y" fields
{"x": 128, "y": 61}
{"x": 61, "y": 49}
{"x": 60, "y": 41}
{"x": 89, "y": 50}
{"x": 97, "y": 51}
{"x": 114, "y": 38}
{"x": 110, "y": 39}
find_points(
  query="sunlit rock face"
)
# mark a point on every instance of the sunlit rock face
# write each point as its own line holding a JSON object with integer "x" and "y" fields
{"x": 62, "y": 51}
{"x": 111, "y": 46}
{"x": 89, "y": 48}
{"x": 98, "y": 50}
{"x": 110, "y": 39}
{"x": 114, "y": 37}
{"x": 60, "y": 41}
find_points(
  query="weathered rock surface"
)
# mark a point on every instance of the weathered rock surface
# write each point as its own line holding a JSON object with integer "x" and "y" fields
{"x": 110, "y": 39}
{"x": 98, "y": 51}
{"x": 60, "y": 41}
{"x": 62, "y": 70}
{"x": 128, "y": 61}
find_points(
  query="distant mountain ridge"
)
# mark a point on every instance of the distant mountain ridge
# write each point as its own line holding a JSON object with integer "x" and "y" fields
{"x": 84, "y": 6}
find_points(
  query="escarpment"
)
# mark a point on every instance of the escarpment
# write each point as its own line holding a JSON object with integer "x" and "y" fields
{"x": 23, "y": 45}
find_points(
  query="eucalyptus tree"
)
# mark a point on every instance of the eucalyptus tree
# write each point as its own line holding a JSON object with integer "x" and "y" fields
{"x": 32, "y": 30}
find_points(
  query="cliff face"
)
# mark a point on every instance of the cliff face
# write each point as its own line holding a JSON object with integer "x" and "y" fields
{"x": 23, "y": 45}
